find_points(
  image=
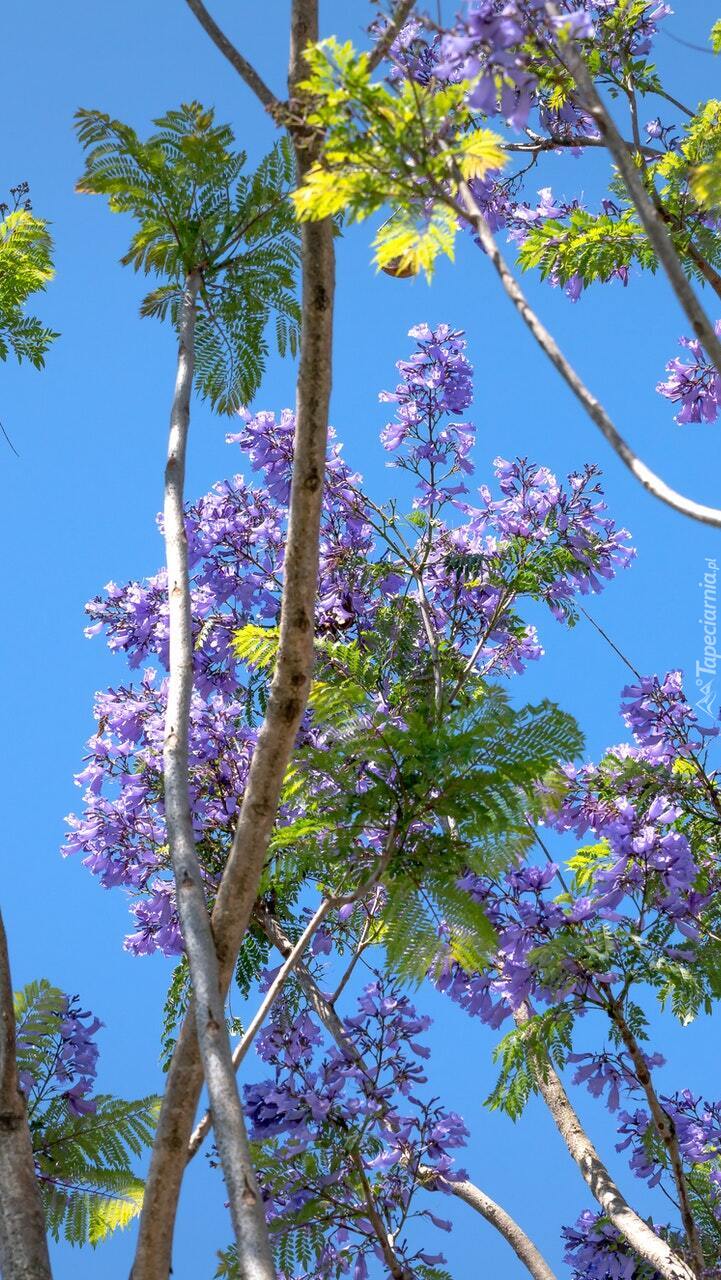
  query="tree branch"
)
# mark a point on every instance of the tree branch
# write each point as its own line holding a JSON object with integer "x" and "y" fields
{"x": 666, "y": 1131}
{"x": 641, "y": 1237}
{"x": 653, "y": 225}
{"x": 291, "y": 963}
{"x": 469, "y": 210}
{"x": 397, "y": 22}
{"x": 472, "y": 1195}
{"x": 288, "y": 696}
{"x": 246, "y": 1208}
{"x": 523, "y": 1247}
{"x": 245, "y": 70}
{"x": 23, "y": 1244}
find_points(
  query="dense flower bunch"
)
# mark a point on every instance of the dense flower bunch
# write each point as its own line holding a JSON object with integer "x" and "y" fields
{"x": 464, "y": 579}
{"x": 347, "y": 1134}
{"x": 58, "y": 1057}
{"x": 494, "y": 45}
{"x": 595, "y": 1250}
{"x": 651, "y": 870}
{"x": 697, "y": 1125}
{"x": 694, "y": 384}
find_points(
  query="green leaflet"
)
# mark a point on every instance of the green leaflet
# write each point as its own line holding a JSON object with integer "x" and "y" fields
{"x": 199, "y": 211}
{"x": 381, "y": 151}
{"x": 26, "y": 267}
{"x": 87, "y": 1185}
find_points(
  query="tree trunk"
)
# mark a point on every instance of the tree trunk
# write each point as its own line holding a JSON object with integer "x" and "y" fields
{"x": 23, "y": 1243}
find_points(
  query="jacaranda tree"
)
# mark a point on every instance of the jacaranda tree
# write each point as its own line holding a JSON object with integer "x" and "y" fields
{"x": 406, "y": 821}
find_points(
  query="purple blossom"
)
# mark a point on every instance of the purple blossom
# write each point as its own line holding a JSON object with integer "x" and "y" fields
{"x": 693, "y": 384}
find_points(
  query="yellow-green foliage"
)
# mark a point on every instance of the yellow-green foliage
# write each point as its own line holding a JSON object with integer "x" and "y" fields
{"x": 407, "y": 146}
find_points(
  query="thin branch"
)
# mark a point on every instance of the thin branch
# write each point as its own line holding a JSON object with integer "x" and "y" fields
{"x": 395, "y": 1266}
{"x": 23, "y": 1244}
{"x": 653, "y": 225}
{"x": 382, "y": 46}
{"x": 469, "y": 210}
{"x": 666, "y": 1130}
{"x": 246, "y": 1207}
{"x": 523, "y": 1247}
{"x": 245, "y": 69}
{"x": 641, "y": 1237}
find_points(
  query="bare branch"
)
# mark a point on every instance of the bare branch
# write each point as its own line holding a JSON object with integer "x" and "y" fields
{"x": 641, "y": 1237}
{"x": 653, "y": 225}
{"x": 245, "y": 70}
{"x": 246, "y": 1207}
{"x": 523, "y": 1247}
{"x": 397, "y": 22}
{"x": 470, "y": 211}
{"x": 23, "y": 1244}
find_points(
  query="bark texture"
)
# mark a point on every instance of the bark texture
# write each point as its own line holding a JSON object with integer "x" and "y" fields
{"x": 23, "y": 1242}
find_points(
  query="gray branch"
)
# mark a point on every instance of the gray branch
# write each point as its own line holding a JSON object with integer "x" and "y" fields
{"x": 23, "y": 1243}
{"x": 641, "y": 1237}
{"x": 245, "y": 69}
{"x": 246, "y": 1207}
{"x": 401, "y": 15}
{"x": 469, "y": 210}
{"x": 652, "y": 223}
{"x": 523, "y": 1247}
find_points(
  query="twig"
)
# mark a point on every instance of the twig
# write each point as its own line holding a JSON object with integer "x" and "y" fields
{"x": 399, "y": 19}
{"x": 245, "y": 69}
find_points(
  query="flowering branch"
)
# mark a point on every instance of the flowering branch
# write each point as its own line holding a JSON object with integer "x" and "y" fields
{"x": 468, "y": 209}
{"x": 652, "y": 223}
{"x": 402, "y": 13}
{"x": 23, "y": 1246}
{"x": 465, "y": 1190}
{"x": 638, "y": 1233}
{"x": 666, "y": 1130}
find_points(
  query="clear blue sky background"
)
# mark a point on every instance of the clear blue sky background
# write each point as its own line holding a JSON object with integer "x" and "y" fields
{"x": 79, "y": 509}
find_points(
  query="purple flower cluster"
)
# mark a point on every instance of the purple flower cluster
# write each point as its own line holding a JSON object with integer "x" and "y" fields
{"x": 693, "y": 384}
{"x": 595, "y": 1250}
{"x": 465, "y": 576}
{"x": 697, "y": 1125}
{"x": 661, "y": 720}
{"x": 642, "y": 875}
{"x": 492, "y": 46}
{"x": 60, "y": 1060}
{"x": 317, "y": 1101}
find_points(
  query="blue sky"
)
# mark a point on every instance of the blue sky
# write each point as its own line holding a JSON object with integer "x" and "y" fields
{"x": 79, "y": 509}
